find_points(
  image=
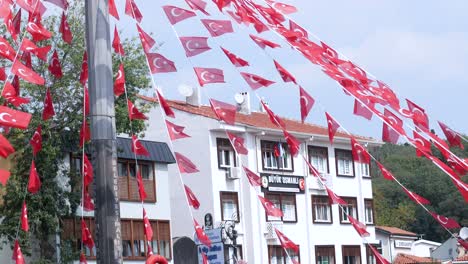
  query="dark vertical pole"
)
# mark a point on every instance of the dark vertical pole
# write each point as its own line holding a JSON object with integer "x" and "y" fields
{"x": 103, "y": 139}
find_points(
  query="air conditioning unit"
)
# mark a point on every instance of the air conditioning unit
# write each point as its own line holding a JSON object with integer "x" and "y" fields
{"x": 270, "y": 227}
{"x": 233, "y": 173}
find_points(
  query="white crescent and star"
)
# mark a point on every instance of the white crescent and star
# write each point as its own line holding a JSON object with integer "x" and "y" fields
{"x": 136, "y": 144}
{"x": 3, "y": 118}
{"x": 194, "y": 47}
{"x": 304, "y": 101}
{"x": 445, "y": 221}
{"x": 176, "y": 14}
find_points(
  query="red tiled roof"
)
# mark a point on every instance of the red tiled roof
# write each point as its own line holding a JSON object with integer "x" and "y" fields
{"x": 395, "y": 231}
{"x": 463, "y": 258}
{"x": 410, "y": 259}
{"x": 256, "y": 119}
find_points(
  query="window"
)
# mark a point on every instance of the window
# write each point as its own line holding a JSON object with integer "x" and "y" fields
{"x": 287, "y": 204}
{"x": 325, "y": 254}
{"x": 321, "y": 209}
{"x": 344, "y": 163}
{"x": 230, "y": 251}
{"x": 128, "y": 185}
{"x": 351, "y": 254}
{"x": 229, "y": 206}
{"x": 71, "y": 233}
{"x": 370, "y": 256}
{"x": 276, "y": 156}
{"x": 134, "y": 244}
{"x": 226, "y": 154}
{"x": 276, "y": 255}
{"x": 349, "y": 209}
{"x": 318, "y": 157}
{"x": 365, "y": 170}
{"x": 369, "y": 211}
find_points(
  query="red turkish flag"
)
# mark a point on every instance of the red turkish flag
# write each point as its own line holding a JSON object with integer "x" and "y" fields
{"x": 286, "y": 243}
{"x": 419, "y": 116}
{"x": 422, "y": 144}
{"x": 5, "y": 9}
{"x": 217, "y": 27}
{"x": 148, "y": 231}
{"x": 176, "y": 14}
{"x": 116, "y": 45}
{"x": 14, "y": 24}
{"x": 263, "y": 43}
{"x": 360, "y": 154}
{"x": 199, "y": 5}
{"x": 17, "y": 254}
{"x": 393, "y": 127}
{"x": 274, "y": 119}
{"x": 385, "y": 173}
{"x": 24, "y": 218}
{"x": 270, "y": 208}
{"x": 134, "y": 113}
{"x": 34, "y": 183}
{"x": 463, "y": 243}
{"x": 312, "y": 169}
{"x": 333, "y": 198}
{"x": 48, "y": 111}
{"x": 360, "y": 227}
{"x": 64, "y": 29}
{"x": 224, "y": 111}
{"x": 445, "y": 221}
{"x": 132, "y": 10}
{"x": 54, "y": 66}
{"x": 235, "y": 60}
{"x": 293, "y": 143}
{"x": 282, "y": 7}
{"x": 5, "y": 147}
{"x": 141, "y": 186}
{"x": 362, "y": 110}
{"x": 6, "y": 50}
{"x": 209, "y": 75}
{"x": 10, "y": 94}
{"x": 192, "y": 199}
{"x": 332, "y": 127}
{"x": 87, "y": 171}
{"x": 119, "y": 83}
{"x": 415, "y": 197}
{"x": 255, "y": 81}
{"x": 63, "y": 4}
{"x": 85, "y": 133}
{"x": 185, "y": 164}
{"x": 36, "y": 140}
{"x": 237, "y": 143}
{"x": 138, "y": 148}
{"x": 13, "y": 118}
{"x": 84, "y": 69}
{"x": 38, "y": 32}
{"x": 298, "y": 29}
{"x": 26, "y": 73}
{"x": 205, "y": 258}
{"x": 86, "y": 100}
{"x": 379, "y": 258}
{"x": 201, "y": 234}
{"x": 40, "y": 52}
{"x": 83, "y": 259}
{"x": 175, "y": 131}
{"x": 453, "y": 137}
{"x": 4, "y": 176}
{"x": 160, "y": 64}
{"x": 306, "y": 101}
{"x": 29, "y": 5}
{"x": 3, "y": 75}
{"x": 113, "y": 9}
{"x": 285, "y": 75}
{"x": 88, "y": 204}
{"x": 194, "y": 45}
{"x": 167, "y": 109}
{"x": 86, "y": 236}
{"x": 147, "y": 42}
{"x": 253, "y": 178}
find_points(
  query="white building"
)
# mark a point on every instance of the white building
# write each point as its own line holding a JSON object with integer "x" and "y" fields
{"x": 323, "y": 233}
{"x": 155, "y": 174}
{"x": 423, "y": 248}
{"x": 394, "y": 241}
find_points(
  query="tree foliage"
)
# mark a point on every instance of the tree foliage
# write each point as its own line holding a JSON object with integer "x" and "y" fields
{"x": 394, "y": 208}
{"x": 58, "y": 199}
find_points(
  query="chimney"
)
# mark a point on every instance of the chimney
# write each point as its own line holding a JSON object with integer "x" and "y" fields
{"x": 192, "y": 94}
{"x": 243, "y": 103}
{"x": 261, "y": 109}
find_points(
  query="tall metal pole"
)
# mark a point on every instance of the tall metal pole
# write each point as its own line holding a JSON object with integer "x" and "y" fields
{"x": 103, "y": 137}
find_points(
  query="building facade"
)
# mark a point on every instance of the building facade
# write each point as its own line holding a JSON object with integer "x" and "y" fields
{"x": 394, "y": 241}
{"x": 155, "y": 173}
{"x": 323, "y": 233}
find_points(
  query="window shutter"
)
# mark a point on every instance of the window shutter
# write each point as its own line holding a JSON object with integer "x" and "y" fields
{"x": 126, "y": 228}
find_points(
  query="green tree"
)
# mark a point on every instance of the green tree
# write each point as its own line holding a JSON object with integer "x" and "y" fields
{"x": 394, "y": 208}
{"x": 57, "y": 199}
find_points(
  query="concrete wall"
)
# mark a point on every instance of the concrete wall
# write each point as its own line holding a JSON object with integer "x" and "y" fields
{"x": 446, "y": 251}
{"x": 423, "y": 248}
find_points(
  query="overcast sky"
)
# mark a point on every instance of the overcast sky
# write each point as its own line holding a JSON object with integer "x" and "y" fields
{"x": 419, "y": 48}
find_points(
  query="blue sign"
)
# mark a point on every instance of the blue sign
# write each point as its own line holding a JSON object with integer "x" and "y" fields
{"x": 213, "y": 234}
{"x": 215, "y": 253}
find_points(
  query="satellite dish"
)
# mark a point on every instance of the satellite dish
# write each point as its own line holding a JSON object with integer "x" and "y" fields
{"x": 185, "y": 90}
{"x": 464, "y": 233}
{"x": 239, "y": 98}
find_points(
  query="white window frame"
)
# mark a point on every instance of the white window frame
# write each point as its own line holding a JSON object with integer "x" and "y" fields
{"x": 367, "y": 210}
{"x": 344, "y": 157}
{"x": 222, "y": 151}
{"x": 319, "y": 162}
{"x": 365, "y": 170}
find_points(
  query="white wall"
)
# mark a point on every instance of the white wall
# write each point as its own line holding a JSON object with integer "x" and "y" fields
{"x": 389, "y": 251}
{"x": 423, "y": 248}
